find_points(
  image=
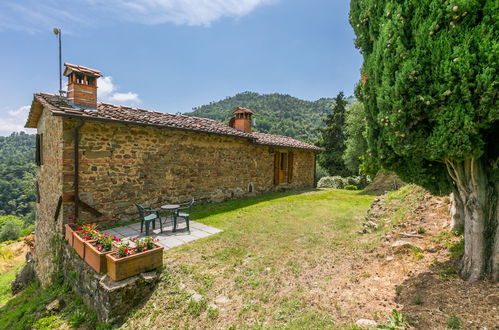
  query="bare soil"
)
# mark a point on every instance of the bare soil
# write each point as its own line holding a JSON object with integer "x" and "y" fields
{"x": 419, "y": 280}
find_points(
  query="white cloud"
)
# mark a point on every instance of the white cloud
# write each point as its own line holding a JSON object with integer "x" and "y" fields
{"x": 125, "y": 97}
{"x": 21, "y": 111}
{"x": 182, "y": 12}
{"x": 14, "y": 121}
{"x": 107, "y": 91}
{"x": 34, "y": 16}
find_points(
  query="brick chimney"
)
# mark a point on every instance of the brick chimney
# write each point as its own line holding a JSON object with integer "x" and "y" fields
{"x": 82, "y": 85}
{"x": 242, "y": 119}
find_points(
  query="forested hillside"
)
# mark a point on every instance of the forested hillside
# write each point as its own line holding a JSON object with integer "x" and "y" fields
{"x": 274, "y": 113}
{"x": 17, "y": 170}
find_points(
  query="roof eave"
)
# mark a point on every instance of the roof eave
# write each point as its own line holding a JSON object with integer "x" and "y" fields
{"x": 126, "y": 122}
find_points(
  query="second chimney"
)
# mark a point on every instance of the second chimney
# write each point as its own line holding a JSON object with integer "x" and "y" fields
{"x": 82, "y": 85}
{"x": 242, "y": 119}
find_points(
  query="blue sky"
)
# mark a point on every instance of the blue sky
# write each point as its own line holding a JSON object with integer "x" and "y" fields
{"x": 172, "y": 55}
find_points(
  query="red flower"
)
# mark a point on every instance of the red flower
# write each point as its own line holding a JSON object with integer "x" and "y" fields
{"x": 106, "y": 235}
{"x": 78, "y": 228}
{"x": 125, "y": 250}
{"x": 87, "y": 237}
{"x": 84, "y": 231}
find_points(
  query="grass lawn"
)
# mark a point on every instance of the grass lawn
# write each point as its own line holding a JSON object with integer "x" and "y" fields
{"x": 275, "y": 251}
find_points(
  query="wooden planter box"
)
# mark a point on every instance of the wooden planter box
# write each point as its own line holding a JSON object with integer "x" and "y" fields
{"x": 120, "y": 268}
{"x": 70, "y": 228}
{"x": 79, "y": 244}
{"x": 95, "y": 258}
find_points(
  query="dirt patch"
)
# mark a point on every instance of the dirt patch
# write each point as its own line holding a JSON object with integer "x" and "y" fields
{"x": 418, "y": 278}
{"x": 11, "y": 255}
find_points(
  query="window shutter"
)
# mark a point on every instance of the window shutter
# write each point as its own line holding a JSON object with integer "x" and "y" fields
{"x": 37, "y": 192}
{"x": 277, "y": 159}
{"x": 37, "y": 153}
{"x": 290, "y": 167}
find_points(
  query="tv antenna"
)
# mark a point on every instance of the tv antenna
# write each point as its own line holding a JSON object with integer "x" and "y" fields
{"x": 58, "y": 33}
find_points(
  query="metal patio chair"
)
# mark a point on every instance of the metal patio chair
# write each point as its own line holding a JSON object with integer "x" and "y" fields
{"x": 147, "y": 219}
{"x": 182, "y": 213}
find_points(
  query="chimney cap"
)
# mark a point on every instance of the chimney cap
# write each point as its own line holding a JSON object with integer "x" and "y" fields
{"x": 70, "y": 68}
{"x": 242, "y": 110}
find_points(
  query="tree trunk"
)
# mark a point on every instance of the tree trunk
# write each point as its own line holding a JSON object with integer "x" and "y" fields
{"x": 456, "y": 212}
{"x": 480, "y": 209}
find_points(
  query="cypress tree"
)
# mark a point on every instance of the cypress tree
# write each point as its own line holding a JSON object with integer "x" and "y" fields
{"x": 429, "y": 86}
{"x": 333, "y": 138}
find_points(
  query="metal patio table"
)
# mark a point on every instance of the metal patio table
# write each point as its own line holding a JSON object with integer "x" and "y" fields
{"x": 173, "y": 209}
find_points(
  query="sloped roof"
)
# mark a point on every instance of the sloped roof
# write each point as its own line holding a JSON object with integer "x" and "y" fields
{"x": 59, "y": 106}
{"x": 81, "y": 69}
{"x": 242, "y": 110}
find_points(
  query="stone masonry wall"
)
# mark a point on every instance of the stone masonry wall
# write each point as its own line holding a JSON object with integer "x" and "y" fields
{"x": 125, "y": 164}
{"x": 49, "y": 177}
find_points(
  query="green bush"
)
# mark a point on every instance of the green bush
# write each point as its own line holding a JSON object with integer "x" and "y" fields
{"x": 331, "y": 182}
{"x": 350, "y": 187}
{"x": 26, "y": 231}
{"x": 10, "y": 230}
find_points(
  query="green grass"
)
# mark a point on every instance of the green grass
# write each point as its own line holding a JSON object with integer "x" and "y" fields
{"x": 5, "y": 280}
{"x": 27, "y": 309}
{"x": 271, "y": 248}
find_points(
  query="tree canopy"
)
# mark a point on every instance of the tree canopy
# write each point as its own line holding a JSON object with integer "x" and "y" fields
{"x": 17, "y": 170}
{"x": 274, "y": 113}
{"x": 430, "y": 83}
{"x": 333, "y": 138}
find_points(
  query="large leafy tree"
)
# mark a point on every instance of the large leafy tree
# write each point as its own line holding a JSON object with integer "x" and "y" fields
{"x": 355, "y": 156}
{"x": 332, "y": 139}
{"x": 429, "y": 85}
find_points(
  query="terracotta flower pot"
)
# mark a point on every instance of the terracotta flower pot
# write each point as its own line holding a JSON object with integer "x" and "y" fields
{"x": 95, "y": 258}
{"x": 79, "y": 244}
{"x": 120, "y": 268}
{"x": 70, "y": 228}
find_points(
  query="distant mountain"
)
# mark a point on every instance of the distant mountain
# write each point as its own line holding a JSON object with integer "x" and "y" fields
{"x": 274, "y": 113}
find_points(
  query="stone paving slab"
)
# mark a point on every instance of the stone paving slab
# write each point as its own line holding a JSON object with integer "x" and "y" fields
{"x": 167, "y": 238}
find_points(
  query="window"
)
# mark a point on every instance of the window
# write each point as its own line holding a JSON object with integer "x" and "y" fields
{"x": 283, "y": 167}
{"x": 39, "y": 150}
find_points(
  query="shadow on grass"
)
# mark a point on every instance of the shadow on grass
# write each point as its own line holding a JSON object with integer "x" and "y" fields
{"x": 199, "y": 212}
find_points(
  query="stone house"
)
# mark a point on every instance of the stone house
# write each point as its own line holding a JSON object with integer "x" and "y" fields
{"x": 95, "y": 160}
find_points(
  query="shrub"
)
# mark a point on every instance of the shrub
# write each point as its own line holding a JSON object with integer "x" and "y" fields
{"x": 28, "y": 230}
{"x": 10, "y": 230}
{"x": 352, "y": 180}
{"x": 331, "y": 182}
{"x": 350, "y": 187}
{"x": 453, "y": 322}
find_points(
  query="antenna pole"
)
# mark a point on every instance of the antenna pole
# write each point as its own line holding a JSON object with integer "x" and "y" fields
{"x": 60, "y": 63}
{"x": 58, "y": 33}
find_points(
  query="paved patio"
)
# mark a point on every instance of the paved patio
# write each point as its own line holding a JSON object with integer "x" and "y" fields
{"x": 167, "y": 238}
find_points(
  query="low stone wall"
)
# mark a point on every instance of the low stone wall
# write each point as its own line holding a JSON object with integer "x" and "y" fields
{"x": 111, "y": 300}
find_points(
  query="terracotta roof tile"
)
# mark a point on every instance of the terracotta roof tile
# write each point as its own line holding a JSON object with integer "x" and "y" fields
{"x": 60, "y": 106}
{"x": 79, "y": 68}
{"x": 243, "y": 110}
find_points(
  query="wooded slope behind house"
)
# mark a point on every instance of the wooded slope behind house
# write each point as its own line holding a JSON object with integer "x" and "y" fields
{"x": 274, "y": 113}
{"x": 17, "y": 168}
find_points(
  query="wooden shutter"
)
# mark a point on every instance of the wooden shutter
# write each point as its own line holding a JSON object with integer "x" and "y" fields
{"x": 37, "y": 153}
{"x": 37, "y": 186}
{"x": 277, "y": 166}
{"x": 290, "y": 167}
